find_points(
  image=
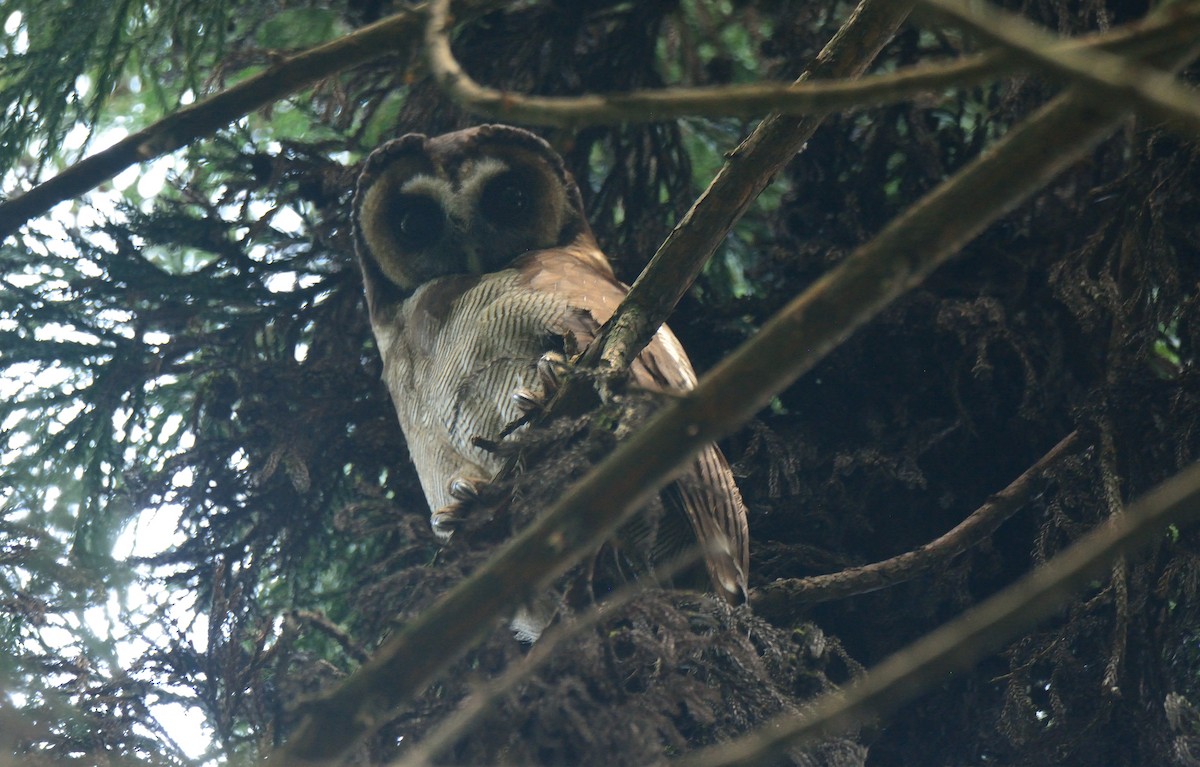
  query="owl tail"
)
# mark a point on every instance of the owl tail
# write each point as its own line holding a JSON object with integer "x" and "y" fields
{"x": 711, "y": 500}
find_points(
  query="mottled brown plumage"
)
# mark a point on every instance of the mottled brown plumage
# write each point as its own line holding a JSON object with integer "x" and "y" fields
{"x": 477, "y": 261}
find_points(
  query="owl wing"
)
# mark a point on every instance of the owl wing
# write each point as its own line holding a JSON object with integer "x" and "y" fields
{"x": 705, "y": 491}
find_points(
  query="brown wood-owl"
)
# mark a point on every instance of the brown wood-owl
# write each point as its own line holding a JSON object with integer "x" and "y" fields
{"x": 477, "y": 261}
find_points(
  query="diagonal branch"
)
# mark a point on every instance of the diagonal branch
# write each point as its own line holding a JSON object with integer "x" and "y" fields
{"x": 903, "y": 254}
{"x": 748, "y": 170}
{"x": 1104, "y": 76}
{"x": 210, "y": 115}
{"x": 788, "y": 596}
{"x": 964, "y": 640}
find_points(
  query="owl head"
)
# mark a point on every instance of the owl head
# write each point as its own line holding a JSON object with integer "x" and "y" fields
{"x": 467, "y": 202}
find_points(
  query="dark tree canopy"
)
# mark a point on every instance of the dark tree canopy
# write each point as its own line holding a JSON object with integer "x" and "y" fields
{"x": 205, "y": 499}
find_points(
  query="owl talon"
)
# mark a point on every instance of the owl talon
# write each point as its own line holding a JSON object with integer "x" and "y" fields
{"x": 551, "y": 367}
{"x": 466, "y": 489}
{"x": 444, "y": 522}
{"x": 527, "y": 401}
{"x": 466, "y": 493}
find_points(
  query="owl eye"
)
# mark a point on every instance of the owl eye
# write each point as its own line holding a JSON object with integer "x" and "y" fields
{"x": 418, "y": 221}
{"x": 506, "y": 198}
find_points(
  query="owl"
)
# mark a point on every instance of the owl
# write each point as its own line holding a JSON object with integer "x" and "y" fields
{"x": 479, "y": 266}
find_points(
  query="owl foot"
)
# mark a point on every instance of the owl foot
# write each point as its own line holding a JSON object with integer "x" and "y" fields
{"x": 551, "y": 367}
{"x": 466, "y": 492}
{"x": 527, "y": 401}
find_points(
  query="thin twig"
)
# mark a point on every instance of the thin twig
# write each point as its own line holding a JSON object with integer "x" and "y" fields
{"x": 395, "y": 33}
{"x": 785, "y": 598}
{"x": 964, "y": 640}
{"x": 332, "y": 630}
{"x": 1104, "y": 76}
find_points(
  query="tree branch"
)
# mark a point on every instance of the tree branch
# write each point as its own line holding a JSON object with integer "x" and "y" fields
{"x": 903, "y": 254}
{"x": 210, "y": 115}
{"x": 786, "y": 597}
{"x": 746, "y": 101}
{"x": 748, "y": 170}
{"x": 333, "y": 631}
{"x": 964, "y": 640}
{"x": 1103, "y": 76}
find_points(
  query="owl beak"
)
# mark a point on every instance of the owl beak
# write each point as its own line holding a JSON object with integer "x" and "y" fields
{"x": 470, "y": 247}
{"x": 461, "y": 241}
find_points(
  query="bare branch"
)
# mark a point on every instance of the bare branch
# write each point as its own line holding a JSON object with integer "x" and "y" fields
{"x": 964, "y": 640}
{"x": 786, "y": 597}
{"x": 1104, "y": 76}
{"x": 655, "y": 105}
{"x": 210, "y": 115}
{"x": 750, "y": 168}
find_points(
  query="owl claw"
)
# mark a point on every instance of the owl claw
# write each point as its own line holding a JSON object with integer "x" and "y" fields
{"x": 551, "y": 367}
{"x": 527, "y": 401}
{"x": 466, "y": 489}
{"x": 466, "y": 492}
{"x": 443, "y": 521}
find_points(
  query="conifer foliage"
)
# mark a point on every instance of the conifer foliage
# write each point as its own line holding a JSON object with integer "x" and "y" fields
{"x": 206, "y": 503}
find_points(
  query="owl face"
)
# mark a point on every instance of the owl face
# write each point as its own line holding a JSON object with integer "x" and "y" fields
{"x": 468, "y": 202}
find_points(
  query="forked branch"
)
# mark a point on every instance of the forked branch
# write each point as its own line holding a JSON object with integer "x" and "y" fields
{"x": 968, "y": 638}
{"x": 785, "y": 598}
